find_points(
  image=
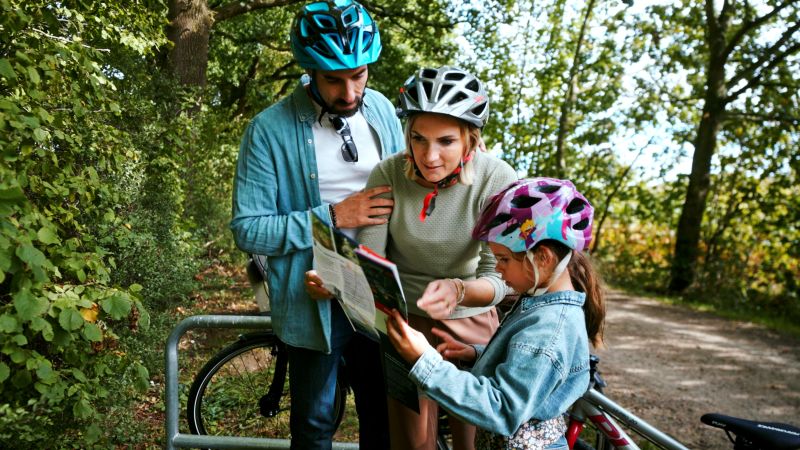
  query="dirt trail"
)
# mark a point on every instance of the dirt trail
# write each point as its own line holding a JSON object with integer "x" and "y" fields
{"x": 670, "y": 365}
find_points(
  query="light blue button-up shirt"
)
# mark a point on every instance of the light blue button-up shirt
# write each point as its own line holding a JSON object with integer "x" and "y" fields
{"x": 535, "y": 367}
{"x": 275, "y": 189}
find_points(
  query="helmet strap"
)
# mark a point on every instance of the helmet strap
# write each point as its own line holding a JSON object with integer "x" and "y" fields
{"x": 560, "y": 268}
{"x": 317, "y": 97}
{"x": 430, "y": 200}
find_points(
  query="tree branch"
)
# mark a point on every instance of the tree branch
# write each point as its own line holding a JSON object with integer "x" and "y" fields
{"x": 768, "y": 53}
{"x": 263, "y": 40}
{"x": 239, "y": 7}
{"x": 384, "y": 12}
{"x": 663, "y": 89}
{"x": 617, "y": 186}
{"x": 749, "y": 26}
{"x": 711, "y": 19}
{"x": 725, "y": 14}
{"x": 756, "y": 79}
{"x": 761, "y": 117}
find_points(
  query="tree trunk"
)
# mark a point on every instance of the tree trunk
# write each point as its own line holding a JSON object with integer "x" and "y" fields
{"x": 190, "y": 23}
{"x": 688, "y": 233}
{"x": 689, "y": 225}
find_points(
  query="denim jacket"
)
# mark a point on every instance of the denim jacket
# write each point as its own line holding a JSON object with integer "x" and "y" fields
{"x": 535, "y": 367}
{"x": 276, "y": 188}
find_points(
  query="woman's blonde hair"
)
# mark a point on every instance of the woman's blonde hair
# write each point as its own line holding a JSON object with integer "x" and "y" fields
{"x": 470, "y": 135}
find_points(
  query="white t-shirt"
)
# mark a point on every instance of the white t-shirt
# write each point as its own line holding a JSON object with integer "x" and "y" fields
{"x": 338, "y": 179}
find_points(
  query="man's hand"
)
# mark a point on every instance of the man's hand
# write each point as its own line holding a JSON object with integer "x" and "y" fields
{"x": 314, "y": 286}
{"x": 361, "y": 208}
{"x": 410, "y": 343}
{"x": 451, "y": 349}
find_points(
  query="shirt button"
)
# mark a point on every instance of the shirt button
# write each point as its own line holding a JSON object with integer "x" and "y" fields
{"x": 310, "y": 141}
{"x": 313, "y": 175}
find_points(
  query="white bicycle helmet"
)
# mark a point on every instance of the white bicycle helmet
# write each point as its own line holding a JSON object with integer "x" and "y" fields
{"x": 446, "y": 90}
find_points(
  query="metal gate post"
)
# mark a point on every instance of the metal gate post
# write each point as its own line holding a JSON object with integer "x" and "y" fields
{"x": 176, "y": 439}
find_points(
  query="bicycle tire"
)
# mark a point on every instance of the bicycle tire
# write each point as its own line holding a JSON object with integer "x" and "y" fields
{"x": 223, "y": 399}
{"x": 441, "y": 442}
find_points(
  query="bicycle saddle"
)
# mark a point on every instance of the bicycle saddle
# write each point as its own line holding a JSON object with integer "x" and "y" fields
{"x": 767, "y": 435}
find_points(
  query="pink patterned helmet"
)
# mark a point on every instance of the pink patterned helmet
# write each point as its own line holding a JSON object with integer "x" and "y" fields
{"x": 532, "y": 210}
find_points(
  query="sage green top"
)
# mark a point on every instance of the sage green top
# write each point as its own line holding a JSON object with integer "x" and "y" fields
{"x": 442, "y": 245}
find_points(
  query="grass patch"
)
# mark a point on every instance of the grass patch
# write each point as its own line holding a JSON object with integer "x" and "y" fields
{"x": 222, "y": 289}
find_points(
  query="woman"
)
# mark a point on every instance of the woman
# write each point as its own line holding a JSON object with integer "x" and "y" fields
{"x": 439, "y": 186}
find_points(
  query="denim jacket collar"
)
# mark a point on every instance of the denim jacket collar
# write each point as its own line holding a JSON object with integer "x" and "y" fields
{"x": 567, "y": 297}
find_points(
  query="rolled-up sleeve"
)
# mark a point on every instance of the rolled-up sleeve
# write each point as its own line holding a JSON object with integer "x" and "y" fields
{"x": 258, "y": 226}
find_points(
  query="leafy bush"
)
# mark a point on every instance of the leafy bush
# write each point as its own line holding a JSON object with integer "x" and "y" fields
{"x": 60, "y": 313}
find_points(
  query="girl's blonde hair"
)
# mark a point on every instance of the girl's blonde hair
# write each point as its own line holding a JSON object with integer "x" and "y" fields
{"x": 470, "y": 135}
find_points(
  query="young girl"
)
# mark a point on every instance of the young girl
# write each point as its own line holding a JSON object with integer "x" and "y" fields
{"x": 537, "y": 364}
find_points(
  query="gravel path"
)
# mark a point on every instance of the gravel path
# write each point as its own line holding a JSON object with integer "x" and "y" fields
{"x": 670, "y": 365}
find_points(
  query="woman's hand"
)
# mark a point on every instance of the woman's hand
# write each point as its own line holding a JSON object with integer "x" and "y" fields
{"x": 314, "y": 286}
{"x": 439, "y": 299}
{"x": 453, "y": 350}
{"x": 410, "y": 343}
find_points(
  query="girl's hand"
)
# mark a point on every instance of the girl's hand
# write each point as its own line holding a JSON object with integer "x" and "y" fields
{"x": 451, "y": 349}
{"x": 439, "y": 299}
{"x": 314, "y": 286}
{"x": 410, "y": 343}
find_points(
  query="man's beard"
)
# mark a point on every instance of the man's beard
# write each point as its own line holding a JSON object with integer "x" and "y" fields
{"x": 335, "y": 109}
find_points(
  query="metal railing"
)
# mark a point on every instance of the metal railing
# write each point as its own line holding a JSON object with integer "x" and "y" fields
{"x": 180, "y": 440}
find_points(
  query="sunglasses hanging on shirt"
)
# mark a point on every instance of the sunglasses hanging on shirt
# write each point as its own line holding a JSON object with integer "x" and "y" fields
{"x": 349, "y": 151}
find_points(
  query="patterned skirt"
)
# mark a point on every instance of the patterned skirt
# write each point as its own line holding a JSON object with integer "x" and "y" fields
{"x": 531, "y": 435}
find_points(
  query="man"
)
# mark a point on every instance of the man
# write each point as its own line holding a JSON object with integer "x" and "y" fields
{"x": 313, "y": 151}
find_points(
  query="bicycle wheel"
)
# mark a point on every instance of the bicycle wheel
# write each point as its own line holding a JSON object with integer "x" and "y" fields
{"x": 443, "y": 434}
{"x": 244, "y": 391}
{"x": 441, "y": 443}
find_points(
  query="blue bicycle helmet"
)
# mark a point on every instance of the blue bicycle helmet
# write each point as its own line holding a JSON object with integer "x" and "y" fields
{"x": 335, "y": 35}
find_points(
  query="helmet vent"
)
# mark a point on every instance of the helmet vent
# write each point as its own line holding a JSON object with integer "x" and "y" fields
{"x": 581, "y": 225}
{"x": 454, "y": 76}
{"x": 412, "y": 92}
{"x": 367, "y": 39}
{"x": 547, "y": 189}
{"x": 445, "y": 89}
{"x": 512, "y": 228}
{"x": 576, "y": 205}
{"x": 459, "y": 97}
{"x": 428, "y": 87}
{"x": 429, "y": 73}
{"x": 499, "y": 219}
{"x": 323, "y": 49}
{"x": 524, "y": 201}
{"x": 473, "y": 86}
{"x": 478, "y": 110}
{"x": 325, "y": 22}
{"x": 350, "y": 17}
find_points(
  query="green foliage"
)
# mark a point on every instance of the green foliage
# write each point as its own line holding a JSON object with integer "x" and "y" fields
{"x": 115, "y": 181}
{"x": 60, "y": 313}
{"x": 640, "y": 72}
{"x": 748, "y": 235}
